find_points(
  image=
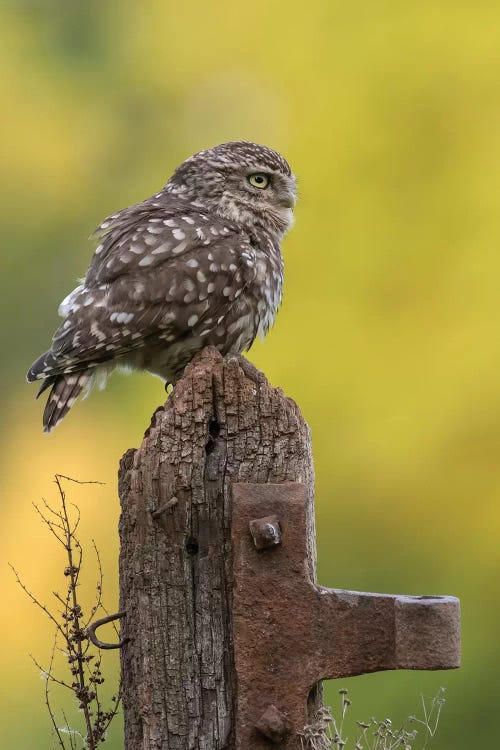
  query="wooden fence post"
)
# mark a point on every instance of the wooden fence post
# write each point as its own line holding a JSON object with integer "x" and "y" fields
{"x": 223, "y": 424}
{"x": 226, "y": 634}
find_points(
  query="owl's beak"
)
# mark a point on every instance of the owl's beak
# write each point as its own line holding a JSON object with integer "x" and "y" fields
{"x": 287, "y": 199}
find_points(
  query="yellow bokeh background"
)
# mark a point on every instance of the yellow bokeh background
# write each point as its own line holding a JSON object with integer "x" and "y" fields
{"x": 388, "y": 337}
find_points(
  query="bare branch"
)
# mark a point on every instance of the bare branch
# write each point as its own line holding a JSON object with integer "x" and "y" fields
{"x": 76, "y": 481}
{"x": 71, "y": 625}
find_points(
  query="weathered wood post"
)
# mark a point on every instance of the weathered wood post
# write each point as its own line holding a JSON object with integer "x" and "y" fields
{"x": 227, "y": 634}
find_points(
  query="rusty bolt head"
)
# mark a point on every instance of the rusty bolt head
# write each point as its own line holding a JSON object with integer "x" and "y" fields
{"x": 266, "y": 532}
{"x": 272, "y": 724}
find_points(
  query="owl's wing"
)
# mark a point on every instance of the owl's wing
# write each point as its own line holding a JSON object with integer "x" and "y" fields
{"x": 152, "y": 279}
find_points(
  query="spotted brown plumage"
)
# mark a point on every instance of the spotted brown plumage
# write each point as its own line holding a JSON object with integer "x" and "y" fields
{"x": 197, "y": 264}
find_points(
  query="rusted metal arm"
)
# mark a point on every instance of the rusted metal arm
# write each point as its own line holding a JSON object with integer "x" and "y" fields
{"x": 290, "y": 633}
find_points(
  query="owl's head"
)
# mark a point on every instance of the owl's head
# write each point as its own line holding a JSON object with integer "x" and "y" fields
{"x": 242, "y": 181}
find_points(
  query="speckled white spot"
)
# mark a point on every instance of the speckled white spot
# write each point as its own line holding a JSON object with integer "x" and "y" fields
{"x": 192, "y": 263}
{"x": 201, "y": 276}
{"x": 136, "y": 249}
{"x": 192, "y": 320}
{"x": 146, "y": 261}
{"x": 163, "y": 248}
{"x": 121, "y": 317}
{"x": 179, "y": 248}
{"x": 178, "y": 234}
{"x": 188, "y": 219}
{"x": 227, "y": 291}
{"x": 210, "y": 287}
{"x": 68, "y": 304}
{"x": 96, "y": 331}
{"x": 99, "y": 249}
{"x": 170, "y": 222}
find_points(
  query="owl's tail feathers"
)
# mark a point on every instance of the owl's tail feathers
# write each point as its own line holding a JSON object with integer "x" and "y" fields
{"x": 43, "y": 367}
{"x": 65, "y": 391}
{"x": 66, "y": 387}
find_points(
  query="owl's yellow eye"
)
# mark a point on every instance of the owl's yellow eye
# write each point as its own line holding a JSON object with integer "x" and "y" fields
{"x": 258, "y": 180}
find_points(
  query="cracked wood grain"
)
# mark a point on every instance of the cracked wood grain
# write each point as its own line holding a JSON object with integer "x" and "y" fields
{"x": 222, "y": 424}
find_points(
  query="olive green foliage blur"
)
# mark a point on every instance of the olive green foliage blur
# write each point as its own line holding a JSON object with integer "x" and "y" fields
{"x": 388, "y": 335}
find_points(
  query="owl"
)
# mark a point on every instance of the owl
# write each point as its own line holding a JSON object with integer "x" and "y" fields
{"x": 198, "y": 264}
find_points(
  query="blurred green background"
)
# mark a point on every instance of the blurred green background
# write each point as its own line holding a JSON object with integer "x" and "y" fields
{"x": 388, "y": 335}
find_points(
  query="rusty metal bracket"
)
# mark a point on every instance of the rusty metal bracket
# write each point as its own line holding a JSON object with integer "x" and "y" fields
{"x": 90, "y": 632}
{"x": 290, "y": 633}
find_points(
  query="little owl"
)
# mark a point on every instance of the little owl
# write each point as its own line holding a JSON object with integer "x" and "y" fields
{"x": 198, "y": 264}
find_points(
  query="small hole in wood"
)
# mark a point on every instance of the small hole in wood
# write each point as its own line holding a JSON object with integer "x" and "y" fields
{"x": 214, "y": 429}
{"x": 191, "y": 546}
{"x": 214, "y": 432}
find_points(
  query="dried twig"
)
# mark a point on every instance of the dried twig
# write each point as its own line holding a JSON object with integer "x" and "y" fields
{"x": 71, "y": 629}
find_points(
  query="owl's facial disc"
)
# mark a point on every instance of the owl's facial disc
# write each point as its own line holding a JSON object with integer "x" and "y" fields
{"x": 256, "y": 195}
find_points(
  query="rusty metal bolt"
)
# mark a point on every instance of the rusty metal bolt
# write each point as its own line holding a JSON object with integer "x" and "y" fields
{"x": 266, "y": 532}
{"x": 272, "y": 724}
